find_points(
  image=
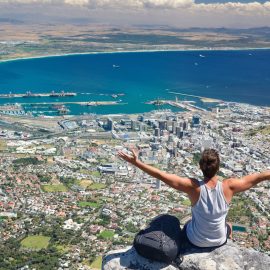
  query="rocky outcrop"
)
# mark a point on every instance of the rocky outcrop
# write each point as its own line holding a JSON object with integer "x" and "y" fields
{"x": 227, "y": 257}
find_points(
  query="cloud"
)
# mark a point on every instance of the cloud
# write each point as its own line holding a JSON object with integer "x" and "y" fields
{"x": 252, "y": 8}
{"x": 111, "y": 3}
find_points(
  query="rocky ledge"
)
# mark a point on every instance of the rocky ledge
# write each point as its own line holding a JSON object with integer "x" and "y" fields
{"x": 227, "y": 257}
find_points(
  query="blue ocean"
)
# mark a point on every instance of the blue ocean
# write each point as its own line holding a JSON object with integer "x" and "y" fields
{"x": 239, "y": 76}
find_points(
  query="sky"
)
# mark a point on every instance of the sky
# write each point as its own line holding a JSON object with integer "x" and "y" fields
{"x": 176, "y": 13}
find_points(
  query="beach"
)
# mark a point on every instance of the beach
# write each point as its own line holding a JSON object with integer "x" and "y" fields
{"x": 135, "y": 51}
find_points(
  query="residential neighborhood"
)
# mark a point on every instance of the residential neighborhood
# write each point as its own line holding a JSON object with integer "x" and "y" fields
{"x": 64, "y": 193}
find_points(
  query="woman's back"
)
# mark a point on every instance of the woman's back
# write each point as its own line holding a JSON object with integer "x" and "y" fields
{"x": 208, "y": 225}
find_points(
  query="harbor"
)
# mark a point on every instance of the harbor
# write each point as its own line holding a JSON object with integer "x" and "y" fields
{"x": 51, "y": 108}
{"x": 186, "y": 105}
{"x": 82, "y": 103}
{"x": 29, "y": 94}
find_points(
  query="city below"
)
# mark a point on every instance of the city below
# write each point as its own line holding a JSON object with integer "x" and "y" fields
{"x": 64, "y": 190}
{"x": 83, "y": 83}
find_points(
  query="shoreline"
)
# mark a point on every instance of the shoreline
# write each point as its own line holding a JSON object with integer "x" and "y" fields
{"x": 132, "y": 51}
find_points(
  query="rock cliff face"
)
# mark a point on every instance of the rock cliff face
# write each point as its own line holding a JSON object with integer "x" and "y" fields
{"x": 228, "y": 257}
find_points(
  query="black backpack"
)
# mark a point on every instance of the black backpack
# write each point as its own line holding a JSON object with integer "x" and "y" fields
{"x": 161, "y": 240}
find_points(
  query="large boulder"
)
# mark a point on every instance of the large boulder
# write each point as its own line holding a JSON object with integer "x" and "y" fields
{"x": 227, "y": 257}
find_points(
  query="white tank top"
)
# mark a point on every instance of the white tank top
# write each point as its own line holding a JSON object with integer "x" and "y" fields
{"x": 207, "y": 227}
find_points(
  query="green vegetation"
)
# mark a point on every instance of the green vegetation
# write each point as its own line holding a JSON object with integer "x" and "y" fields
{"x": 158, "y": 166}
{"x": 54, "y": 188}
{"x": 240, "y": 210}
{"x": 104, "y": 221}
{"x": 96, "y": 174}
{"x": 186, "y": 202}
{"x": 106, "y": 234}
{"x": 92, "y": 204}
{"x": 13, "y": 256}
{"x": 85, "y": 183}
{"x": 62, "y": 248}
{"x": 2, "y": 219}
{"x": 131, "y": 228}
{"x": 44, "y": 178}
{"x": 27, "y": 161}
{"x": 84, "y": 171}
{"x": 97, "y": 263}
{"x": 221, "y": 174}
{"x": 97, "y": 186}
{"x": 68, "y": 181}
{"x": 3, "y": 145}
{"x": 35, "y": 242}
{"x": 196, "y": 158}
{"x": 262, "y": 130}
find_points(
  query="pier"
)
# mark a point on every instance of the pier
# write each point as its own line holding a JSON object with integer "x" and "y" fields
{"x": 82, "y": 103}
{"x": 29, "y": 94}
{"x": 186, "y": 105}
{"x": 203, "y": 99}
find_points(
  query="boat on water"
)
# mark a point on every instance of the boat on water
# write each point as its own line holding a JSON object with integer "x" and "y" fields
{"x": 60, "y": 108}
{"x": 63, "y": 110}
{"x": 57, "y": 106}
{"x": 62, "y": 94}
{"x": 92, "y": 103}
{"x": 30, "y": 94}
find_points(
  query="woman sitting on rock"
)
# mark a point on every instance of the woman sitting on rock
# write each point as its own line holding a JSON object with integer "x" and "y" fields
{"x": 210, "y": 198}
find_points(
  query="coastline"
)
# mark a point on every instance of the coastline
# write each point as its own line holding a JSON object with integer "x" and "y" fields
{"x": 133, "y": 51}
{"x": 203, "y": 99}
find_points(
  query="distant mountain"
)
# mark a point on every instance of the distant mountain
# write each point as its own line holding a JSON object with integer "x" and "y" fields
{"x": 12, "y": 21}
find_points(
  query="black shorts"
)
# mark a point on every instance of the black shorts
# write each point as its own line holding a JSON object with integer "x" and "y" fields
{"x": 186, "y": 244}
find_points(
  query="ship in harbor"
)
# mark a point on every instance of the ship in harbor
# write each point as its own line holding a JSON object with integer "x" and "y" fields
{"x": 62, "y": 94}
{"x": 60, "y": 108}
{"x": 63, "y": 110}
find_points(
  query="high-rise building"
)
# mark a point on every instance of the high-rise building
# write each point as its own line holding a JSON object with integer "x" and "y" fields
{"x": 140, "y": 118}
{"x": 196, "y": 120}
{"x": 177, "y": 131}
{"x": 134, "y": 125}
{"x": 181, "y": 134}
{"x": 158, "y": 184}
{"x": 185, "y": 125}
{"x": 109, "y": 124}
{"x": 174, "y": 126}
{"x": 157, "y": 132}
{"x": 170, "y": 139}
{"x": 169, "y": 125}
{"x": 142, "y": 127}
{"x": 162, "y": 125}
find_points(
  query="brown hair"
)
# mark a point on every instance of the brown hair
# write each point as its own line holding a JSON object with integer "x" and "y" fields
{"x": 209, "y": 162}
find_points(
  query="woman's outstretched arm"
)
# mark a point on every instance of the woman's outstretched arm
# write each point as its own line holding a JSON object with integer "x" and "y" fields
{"x": 242, "y": 184}
{"x": 174, "y": 181}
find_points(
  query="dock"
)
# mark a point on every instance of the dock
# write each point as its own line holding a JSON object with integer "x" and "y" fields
{"x": 179, "y": 104}
{"x": 29, "y": 94}
{"x": 82, "y": 103}
{"x": 203, "y": 99}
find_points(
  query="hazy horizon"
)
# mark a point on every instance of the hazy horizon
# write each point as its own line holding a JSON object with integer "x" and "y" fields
{"x": 124, "y": 13}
